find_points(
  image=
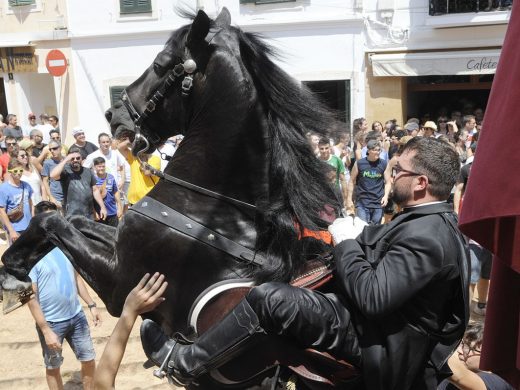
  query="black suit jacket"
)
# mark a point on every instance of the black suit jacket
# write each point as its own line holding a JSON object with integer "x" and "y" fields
{"x": 406, "y": 284}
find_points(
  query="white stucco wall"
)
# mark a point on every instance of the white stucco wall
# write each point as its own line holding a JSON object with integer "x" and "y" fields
{"x": 319, "y": 41}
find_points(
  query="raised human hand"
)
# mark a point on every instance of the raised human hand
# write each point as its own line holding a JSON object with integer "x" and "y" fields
{"x": 147, "y": 295}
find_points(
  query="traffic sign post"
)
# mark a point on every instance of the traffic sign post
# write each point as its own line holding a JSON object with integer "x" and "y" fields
{"x": 56, "y": 63}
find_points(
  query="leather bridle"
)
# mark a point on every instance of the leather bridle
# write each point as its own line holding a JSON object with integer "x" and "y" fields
{"x": 159, "y": 211}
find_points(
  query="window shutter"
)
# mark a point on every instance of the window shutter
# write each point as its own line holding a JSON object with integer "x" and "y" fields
{"x": 115, "y": 93}
{"x": 18, "y": 3}
{"x": 135, "y": 6}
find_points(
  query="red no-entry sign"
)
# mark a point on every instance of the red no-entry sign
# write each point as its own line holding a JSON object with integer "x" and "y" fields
{"x": 56, "y": 63}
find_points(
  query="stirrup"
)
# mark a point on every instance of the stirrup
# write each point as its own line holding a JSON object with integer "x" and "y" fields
{"x": 166, "y": 369}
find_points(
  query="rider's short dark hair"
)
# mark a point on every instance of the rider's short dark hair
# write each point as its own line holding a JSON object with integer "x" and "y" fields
{"x": 437, "y": 160}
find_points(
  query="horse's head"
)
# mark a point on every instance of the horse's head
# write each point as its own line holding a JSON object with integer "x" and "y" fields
{"x": 170, "y": 95}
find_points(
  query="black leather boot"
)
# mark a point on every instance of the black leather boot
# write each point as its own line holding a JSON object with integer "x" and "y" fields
{"x": 184, "y": 362}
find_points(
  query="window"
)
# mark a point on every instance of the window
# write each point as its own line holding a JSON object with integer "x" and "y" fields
{"x": 115, "y": 93}
{"x": 135, "y": 6}
{"x": 18, "y": 3}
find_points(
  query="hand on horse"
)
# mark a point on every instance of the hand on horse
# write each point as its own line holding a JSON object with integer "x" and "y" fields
{"x": 147, "y": 295}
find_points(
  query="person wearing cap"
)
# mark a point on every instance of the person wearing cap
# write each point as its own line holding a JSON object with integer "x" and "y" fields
{"x": 372, "y": 184}
{"x": 85, "y": 147}
{"x": 32, "y": 120}
{"x": 429, "y": 129}
{"x": 412, "y": 128}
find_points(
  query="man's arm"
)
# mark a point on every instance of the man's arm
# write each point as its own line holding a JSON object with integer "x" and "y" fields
{"x": 7, "y": 224}
{"x": 388, "y": 187}
{"x": 457, "y": 196}
{"x": 145, "y": 297}
{"x": 85, "y": 295}
{"x": 99, "y": 199}
{"x": 344, "y": 186}
{"x": 463, "y": 378}
{"x": 350, "y": 191}
{"x": 51, "y": 339}
{"x": 408, "y": 265}
{"x": 58, "y": 169}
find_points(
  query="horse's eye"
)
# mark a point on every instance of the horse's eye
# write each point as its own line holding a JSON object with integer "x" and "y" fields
{"x": 158, "y": 69}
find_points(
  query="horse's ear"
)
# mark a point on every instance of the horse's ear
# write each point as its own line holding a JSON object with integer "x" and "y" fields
{"x": 199, "y": 27}
{"x": 224, "y": 18}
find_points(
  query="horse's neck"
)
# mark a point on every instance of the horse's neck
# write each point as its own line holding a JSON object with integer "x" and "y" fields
{"x": 232, "y": 163}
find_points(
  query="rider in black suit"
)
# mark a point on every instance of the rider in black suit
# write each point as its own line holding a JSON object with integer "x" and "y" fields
{"x": 402, "y": 306}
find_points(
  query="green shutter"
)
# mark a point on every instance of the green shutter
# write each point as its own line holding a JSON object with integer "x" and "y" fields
{"x": 17, "y": 3}
{"x": 135, "y": 6}
{"x": 115, "y": 93}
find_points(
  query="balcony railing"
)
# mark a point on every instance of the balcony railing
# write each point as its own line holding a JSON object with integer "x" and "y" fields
{"x": 443, "y": 7}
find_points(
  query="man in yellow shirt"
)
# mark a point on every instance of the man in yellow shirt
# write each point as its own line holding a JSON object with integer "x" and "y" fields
{"x": 141, "y": 180}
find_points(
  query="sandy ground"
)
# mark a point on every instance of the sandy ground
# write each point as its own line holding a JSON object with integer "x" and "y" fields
{"x": 21, "y": 362}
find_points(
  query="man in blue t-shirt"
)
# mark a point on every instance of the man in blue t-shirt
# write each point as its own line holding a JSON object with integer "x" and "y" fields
{"x": 372, "y": 184}
{"x": 52, "y": 186}
{"x": 58, "y": 314}
{"x": 15, "y": 193}
{"x": 109, "y": 192}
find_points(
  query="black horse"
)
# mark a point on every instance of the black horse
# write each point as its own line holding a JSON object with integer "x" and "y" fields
{"x": 237, "y": 196}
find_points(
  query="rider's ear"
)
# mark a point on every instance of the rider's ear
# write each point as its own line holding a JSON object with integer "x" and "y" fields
{"x": 199, "y": 27}
{"x": 223, "y": 19}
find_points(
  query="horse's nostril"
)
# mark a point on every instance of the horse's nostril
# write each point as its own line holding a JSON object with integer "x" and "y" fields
{"x": 108, "y": 115}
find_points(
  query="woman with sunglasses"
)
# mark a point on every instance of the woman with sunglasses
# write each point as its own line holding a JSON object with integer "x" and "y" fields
{"x": 15, "y": 195}
{"x": 31, "y": 176}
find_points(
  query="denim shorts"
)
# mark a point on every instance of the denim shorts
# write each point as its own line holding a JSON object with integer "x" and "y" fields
{"x": 77, "y": 333}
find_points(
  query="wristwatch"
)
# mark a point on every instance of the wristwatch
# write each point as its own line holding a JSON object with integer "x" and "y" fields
{"x": 92, "y": 305}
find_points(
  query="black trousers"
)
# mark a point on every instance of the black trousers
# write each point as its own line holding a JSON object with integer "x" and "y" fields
{"x": 309, "y": 318}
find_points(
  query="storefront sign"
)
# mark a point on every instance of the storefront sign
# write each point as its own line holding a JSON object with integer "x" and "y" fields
{"x": 18, "y": 60}
{"x": 435, "y": 63}
{"x": 483, "y": 64}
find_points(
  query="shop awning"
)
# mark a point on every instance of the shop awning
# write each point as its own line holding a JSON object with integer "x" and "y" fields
{"x": 435, "y": 63}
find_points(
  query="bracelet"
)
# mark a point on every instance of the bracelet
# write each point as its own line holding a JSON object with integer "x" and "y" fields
{"x": 92, "y": 305}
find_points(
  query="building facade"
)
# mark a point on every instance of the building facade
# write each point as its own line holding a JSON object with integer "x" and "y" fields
{"x": 381, "y": 59}
{"x": 430, "y": 57}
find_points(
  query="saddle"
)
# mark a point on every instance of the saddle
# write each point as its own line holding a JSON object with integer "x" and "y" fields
{"x": 318, "y": 370}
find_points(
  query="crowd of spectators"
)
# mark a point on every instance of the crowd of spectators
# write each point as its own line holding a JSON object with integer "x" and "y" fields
{"x": 97, "y": 181}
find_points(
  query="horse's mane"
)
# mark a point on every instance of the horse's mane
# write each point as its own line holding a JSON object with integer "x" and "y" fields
{"x": 298, "y": 187}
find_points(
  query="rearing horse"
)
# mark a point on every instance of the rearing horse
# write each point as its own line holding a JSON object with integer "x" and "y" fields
{"x": 236, "y": 197}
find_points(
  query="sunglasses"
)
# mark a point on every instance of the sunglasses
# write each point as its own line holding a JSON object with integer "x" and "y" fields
{"x": 22, "y": 155}
{"x": 32, "y": 117}
{"x": 15, "y": 171}
{"x": 397, "y": 170}
{"x": 10, "y": 143}
{"x": 75, "y": 159}
{"x": 55, "y": 148}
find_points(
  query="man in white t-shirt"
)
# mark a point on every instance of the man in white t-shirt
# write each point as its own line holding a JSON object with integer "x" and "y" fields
{"x": 114, "y": 160}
